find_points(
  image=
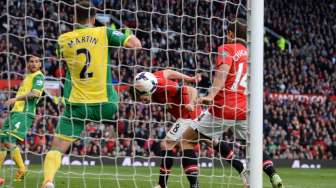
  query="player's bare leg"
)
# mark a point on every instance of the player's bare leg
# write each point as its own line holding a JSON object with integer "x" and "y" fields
{"x": 190, "y": 134}
{"x": 52, "y": 160}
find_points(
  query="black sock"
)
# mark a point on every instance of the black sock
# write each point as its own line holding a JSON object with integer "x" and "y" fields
{"x": 237, "y": 164}
{"x": 227, "y": 153}
{"x": 268, "y": 165}
{"x": 189, "y": 163}
{"x": 166, "y": 164}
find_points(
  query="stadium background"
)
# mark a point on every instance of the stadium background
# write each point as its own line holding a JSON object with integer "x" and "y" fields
{"x": 299, "y": 106}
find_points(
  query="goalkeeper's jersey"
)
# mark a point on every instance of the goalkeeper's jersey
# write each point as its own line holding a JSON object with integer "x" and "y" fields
{"x": 88, "y": 75}
{"x": 33, "y": 81}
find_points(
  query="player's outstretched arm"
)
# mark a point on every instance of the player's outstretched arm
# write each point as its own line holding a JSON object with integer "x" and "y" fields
{"x": 174, "y": 75}
{"x": 29, "y": 95}
{"x": 217, "y": 85}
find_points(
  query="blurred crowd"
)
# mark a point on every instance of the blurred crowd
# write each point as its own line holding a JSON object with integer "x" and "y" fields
{"x": 311, "y": 28}
{"x": 184, "y": 35}
{"x": 300, "y": 129}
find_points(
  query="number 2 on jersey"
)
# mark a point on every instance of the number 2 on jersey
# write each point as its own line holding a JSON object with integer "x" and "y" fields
{"x": 83, "y": 74}
{"x": 240, "y": 80}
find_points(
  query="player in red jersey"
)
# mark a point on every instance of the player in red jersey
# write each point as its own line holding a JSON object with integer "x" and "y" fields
{"x": 180, "y": 101}
{"x": 227, "y": 102}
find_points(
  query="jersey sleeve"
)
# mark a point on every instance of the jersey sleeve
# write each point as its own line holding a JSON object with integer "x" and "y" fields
{"x": 159, "y": 74}
{"x": 168, "y": 86}
{"x": 224, "y": 56}
{"x": 172, "y": 88}
{"x": 38, "y": 83}
{"x": 116, "y": 38}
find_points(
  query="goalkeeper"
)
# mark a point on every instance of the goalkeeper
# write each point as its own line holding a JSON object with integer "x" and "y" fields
{"x": 22, "y": 115}
{"x": 88, "y": 89}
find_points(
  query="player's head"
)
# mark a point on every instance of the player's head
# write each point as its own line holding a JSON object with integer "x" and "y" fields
{"x": 237, "y": 31}
{"x": 33, "y": 63}
{"x": 85, "y": 14}
{"x": 138, "y": 96}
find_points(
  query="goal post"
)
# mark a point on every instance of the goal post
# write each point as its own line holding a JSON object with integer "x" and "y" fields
{"x": 255, "y": 20}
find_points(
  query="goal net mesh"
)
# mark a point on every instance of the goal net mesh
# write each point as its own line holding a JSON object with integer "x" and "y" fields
{"x": 179, "y": 35}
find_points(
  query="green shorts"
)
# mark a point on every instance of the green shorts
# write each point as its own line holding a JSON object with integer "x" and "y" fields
{"x": 72, "y": 121}
{"x": 16, "y": 127}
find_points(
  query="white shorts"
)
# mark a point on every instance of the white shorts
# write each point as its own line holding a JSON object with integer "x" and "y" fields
{"x": 213, "y": 127}
{"x": 179, "y": 127}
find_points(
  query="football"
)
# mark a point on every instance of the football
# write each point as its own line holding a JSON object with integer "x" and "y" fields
{"x": 145, "y": 83}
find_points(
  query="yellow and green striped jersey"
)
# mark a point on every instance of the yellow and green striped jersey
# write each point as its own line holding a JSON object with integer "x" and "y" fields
{"x": 87, "y": 56}
{"x": 33, "y": 81}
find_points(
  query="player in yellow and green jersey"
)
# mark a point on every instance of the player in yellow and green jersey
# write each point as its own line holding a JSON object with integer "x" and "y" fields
{"x": 88, "y": 89}
{"x": 22, "y": 115}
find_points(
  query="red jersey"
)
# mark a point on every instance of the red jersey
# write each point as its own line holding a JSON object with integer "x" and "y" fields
{"x": 230, "y": 102}
{"x": 170, "y": 93}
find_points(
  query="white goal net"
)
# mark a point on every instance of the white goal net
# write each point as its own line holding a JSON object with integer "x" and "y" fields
{"x": 181, "y": 35}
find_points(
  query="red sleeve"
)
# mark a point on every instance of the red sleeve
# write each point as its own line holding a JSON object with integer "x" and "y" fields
{"x": 171, "y": 88}
{"x": 224, "y": 55}
{"x": 164, "y": 85}
{"x": 158, "y": 74}
{"x": 120, "y": 88}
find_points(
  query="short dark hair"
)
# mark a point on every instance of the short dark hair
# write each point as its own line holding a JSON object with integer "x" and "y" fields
{"x": 30, "y": 56}
{"x": 239, "y": 28}
{"x": 84, "y": 11}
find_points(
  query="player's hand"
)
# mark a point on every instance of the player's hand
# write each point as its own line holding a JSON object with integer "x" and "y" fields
{"x": 10, "y": 101}
{"x": 205, "y": 100}
{"x": 197, "y": 78}
{"x": 190, "y": 107}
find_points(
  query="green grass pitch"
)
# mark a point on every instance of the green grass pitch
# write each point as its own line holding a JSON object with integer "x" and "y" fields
{"x": 146, "y": 177}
